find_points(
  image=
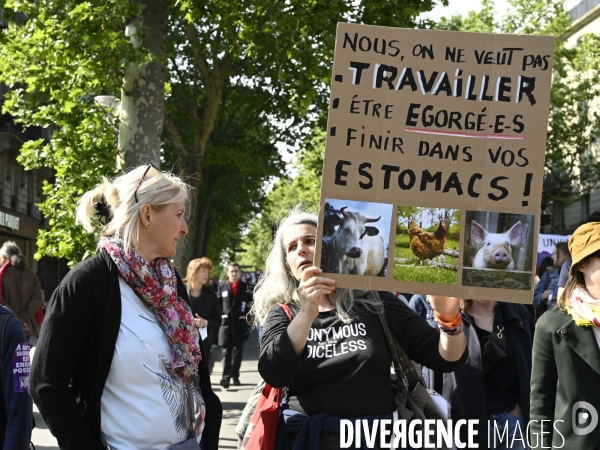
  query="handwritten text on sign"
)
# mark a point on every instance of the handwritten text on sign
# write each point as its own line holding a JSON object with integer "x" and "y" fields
{"x": 443, "y": 120}
{"x": 479, "y": 105}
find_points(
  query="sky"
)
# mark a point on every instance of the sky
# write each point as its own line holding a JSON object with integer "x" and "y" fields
{"x": 458, "y": 6}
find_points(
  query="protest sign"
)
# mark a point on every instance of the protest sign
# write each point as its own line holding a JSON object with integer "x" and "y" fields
{"x": 546, "y": 244}
{"x": 432, "y": 177}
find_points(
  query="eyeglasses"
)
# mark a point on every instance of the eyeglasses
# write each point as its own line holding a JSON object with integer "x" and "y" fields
{"x": 150, "y": 166}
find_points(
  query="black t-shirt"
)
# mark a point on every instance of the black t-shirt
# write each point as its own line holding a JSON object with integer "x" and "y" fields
{"x": 502, "y": 382}
{"x": 344, "y": 370}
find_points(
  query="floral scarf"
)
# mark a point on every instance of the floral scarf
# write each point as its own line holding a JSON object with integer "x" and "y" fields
{"x": 584, "y": 309}
{"x": 156, "y": 285}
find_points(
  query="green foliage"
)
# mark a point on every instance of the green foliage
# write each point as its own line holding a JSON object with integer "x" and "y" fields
{"x": 481, "y": 21}
{"x": 53, "y": 83}
{"x": 413, "y": 269}
{"x": 240, "y": 160}
{"x": 506, "y": 279}
{"x": 287, "y": 193}
{"x": 281, "y": 51}
{"x": 237, "y": 71}
{"x": 572, "y": 159}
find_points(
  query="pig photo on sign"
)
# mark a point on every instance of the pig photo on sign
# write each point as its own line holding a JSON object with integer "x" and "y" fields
{"x": 496, "y": 250}
{"x": 355, "y": 237}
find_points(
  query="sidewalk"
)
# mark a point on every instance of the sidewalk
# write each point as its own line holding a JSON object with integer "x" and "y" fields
{"x": 41, "y": 436}
{"x": 233, "y": 400}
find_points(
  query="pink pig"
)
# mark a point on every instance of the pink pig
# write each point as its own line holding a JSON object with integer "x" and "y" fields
{"x": 496, "y": 252}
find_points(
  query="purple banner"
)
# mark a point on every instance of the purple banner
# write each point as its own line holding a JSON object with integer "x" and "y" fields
{"x": 20, "y": 366}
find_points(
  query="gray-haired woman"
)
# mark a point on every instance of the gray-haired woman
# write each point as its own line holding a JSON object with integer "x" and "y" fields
{"x": 119, "y": 363}
{"x": 332, "y": 356}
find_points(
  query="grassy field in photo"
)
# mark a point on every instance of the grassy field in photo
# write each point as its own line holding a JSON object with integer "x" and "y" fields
{"x": 416, "y": 270}
{"x": 501, "y": 279}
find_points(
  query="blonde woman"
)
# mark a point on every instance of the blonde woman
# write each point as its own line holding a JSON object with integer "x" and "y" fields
{"x": 332, "y": 356}
{"x": 203, "y": 302}
{"x": 119, "y": 362}
{"x": 566, "y": 355}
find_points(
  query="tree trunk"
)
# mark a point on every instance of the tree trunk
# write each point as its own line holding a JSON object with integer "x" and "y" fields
{"x": 200, "y": 241}
{"x": 205, "y": 124}
{"x": 143, "y": 94}
{"x": 191, "y": 157}
{"x": 207, "y": 230}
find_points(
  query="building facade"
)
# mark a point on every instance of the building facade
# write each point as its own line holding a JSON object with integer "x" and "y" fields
{"x": 20, "y": 192}
{"x": 586, "y": 20}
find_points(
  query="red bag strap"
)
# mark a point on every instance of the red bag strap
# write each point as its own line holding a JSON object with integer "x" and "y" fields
{"x": 287, "y": 310}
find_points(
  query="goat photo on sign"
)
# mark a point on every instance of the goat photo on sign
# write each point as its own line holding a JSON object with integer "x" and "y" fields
{"x": 427, "y": 242}
{"x": 355, "y": 237}
{"x": 498, "y": 250}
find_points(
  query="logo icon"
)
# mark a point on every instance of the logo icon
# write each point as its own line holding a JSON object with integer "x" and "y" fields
{"x": 579, "y": 418}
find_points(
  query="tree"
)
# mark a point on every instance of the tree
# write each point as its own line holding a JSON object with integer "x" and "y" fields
{"x": 303, "y": 190}
{"x": 53, "y": 83}
{"x": 239, "y": 161}
{"x": 69, "y": 51}
{"x": 142, "y": 110}
{"x": 572, "y": 165}
{"x": 279, "y": 49}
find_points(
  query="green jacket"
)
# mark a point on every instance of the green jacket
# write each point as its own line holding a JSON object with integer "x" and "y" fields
{"x": 566, "y": 370}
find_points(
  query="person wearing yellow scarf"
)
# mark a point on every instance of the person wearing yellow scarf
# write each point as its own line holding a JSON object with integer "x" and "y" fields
{"x": 566, "y": 355}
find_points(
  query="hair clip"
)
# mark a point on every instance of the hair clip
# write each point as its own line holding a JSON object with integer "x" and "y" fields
{"x": 103, "y": 213}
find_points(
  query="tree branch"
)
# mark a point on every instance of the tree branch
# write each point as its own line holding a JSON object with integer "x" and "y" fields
{"x": 199, "y": 58}
{"x": 175, "y": 138}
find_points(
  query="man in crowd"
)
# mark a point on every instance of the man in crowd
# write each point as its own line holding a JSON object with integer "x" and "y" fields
{"x": 235, "y": 302}
{"x": 21, "y": 290}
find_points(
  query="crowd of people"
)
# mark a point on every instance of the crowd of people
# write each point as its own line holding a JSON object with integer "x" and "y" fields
{"x": 125, "y": 336}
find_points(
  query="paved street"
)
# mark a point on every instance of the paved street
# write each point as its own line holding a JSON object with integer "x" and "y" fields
{"x": 41, "y": 437}
{"x": 233, "y": 400}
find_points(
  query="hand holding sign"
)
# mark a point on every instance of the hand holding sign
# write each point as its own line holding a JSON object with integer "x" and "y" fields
{"x": 314, "y": 291}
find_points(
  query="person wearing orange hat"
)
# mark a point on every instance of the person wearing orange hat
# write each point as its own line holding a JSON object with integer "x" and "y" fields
{"x": 566, "y": 355}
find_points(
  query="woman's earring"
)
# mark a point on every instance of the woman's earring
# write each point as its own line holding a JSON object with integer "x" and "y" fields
{"x": 148, "y": 224}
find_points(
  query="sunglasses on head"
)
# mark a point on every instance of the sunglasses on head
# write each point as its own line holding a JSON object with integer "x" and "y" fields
{"x": 142, "y": 180}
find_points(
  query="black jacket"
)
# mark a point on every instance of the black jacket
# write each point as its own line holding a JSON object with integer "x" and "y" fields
{"x": 207, "y": 306}
{"x": 75, "y": 351}
{"x": 566, "y": 370}
{"x": 465, "y": 389}
{"x": 16, "y": 410}
{"x": 234, "y": 331}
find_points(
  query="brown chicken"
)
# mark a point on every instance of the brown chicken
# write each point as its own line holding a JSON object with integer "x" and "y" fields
{"x": 424, "y": 244}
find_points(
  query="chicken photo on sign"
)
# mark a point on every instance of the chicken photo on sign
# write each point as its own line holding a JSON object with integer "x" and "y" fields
{"x": 427, "y": 243}
{"x": 355, "y": 237}
{"x": 498, "y": 250}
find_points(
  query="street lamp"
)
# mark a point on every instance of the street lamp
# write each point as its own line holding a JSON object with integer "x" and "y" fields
{"x": 108, "y": 102}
